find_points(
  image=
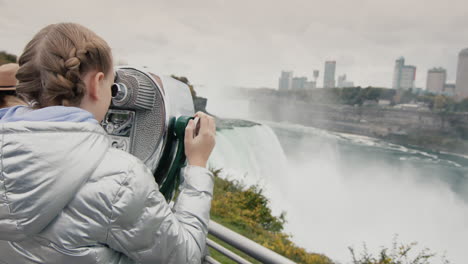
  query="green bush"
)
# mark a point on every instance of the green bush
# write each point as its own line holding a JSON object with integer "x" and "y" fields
{"x": 399, "y": 253}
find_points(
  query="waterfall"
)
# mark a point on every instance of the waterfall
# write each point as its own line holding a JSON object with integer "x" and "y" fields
{"x": 251, "y": 155}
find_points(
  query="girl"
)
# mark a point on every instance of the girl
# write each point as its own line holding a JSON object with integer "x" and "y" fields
{"x": 65, "y": 195}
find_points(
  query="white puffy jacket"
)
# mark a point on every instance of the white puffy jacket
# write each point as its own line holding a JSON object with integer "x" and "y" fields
{"x": 67, "y": 197}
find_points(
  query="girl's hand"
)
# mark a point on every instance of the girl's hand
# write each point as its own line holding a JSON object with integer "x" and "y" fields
{"x": 198, "y": 146}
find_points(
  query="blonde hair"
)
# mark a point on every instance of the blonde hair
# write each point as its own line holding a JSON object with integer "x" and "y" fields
{"x": 54, "y": 62}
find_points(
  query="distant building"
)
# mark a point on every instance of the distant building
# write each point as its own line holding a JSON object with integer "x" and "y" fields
{"x": 408, "y": 75}
{"x": 462, "y": 74}
{"x": 329, "y": 75}
{"x": 412, "y": 106}
{"x": 403, "y": 75}
{"x": 299, "y": 83}
{"x": 285, "y": 81}
{"x": 399, "y": 64}
{"x": 342, "y": 82}
{"x": 316, "y": 75}
{"x": 449, "y": 89}
{"x": 310, "y": 85}
{"x": 436, "y": 79}
{"x": 383, "y": 102}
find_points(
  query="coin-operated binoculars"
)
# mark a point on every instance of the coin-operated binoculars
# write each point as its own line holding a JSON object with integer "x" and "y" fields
{"x": 147, "y": 118}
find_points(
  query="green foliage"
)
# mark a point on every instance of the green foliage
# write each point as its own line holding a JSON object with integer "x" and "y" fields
{"x": 187, "y": 82}
{"x": 349, "y": 96}
{"x": 399, "y": 254}
{"x": 386, "y": 94}
{"x": 406, "y": 96}
{"x": 246, "y": 211}
{"x": 248, "y": 207}
{"x": 370, "y": 93}
{"x": 428, "y": 99}
{"x": 462, "y": 106}
{"x": 6, "y": 57}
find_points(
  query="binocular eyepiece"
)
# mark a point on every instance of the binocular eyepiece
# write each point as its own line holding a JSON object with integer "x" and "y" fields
{"x": 119, "y": 92}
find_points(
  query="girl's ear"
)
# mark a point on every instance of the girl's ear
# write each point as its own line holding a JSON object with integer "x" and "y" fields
{"x": 94, "y": 80}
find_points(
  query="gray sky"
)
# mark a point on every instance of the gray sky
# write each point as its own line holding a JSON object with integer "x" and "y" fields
{"x": 219, "y": 43}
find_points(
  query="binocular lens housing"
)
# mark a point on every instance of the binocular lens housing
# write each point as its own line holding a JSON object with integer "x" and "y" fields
{"x": 119, "y": 92}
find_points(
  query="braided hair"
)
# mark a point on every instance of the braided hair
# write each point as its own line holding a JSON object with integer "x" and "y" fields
{"x": 54, "y": 62}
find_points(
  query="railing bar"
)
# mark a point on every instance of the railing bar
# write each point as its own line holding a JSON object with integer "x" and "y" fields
{"x": 226, "y": 252}
{"x": 246, "y": 245}
{"x": 210, "y": 260}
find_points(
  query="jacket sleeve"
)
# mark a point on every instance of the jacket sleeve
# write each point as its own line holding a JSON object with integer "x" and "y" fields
{"x": 143, "y": 226}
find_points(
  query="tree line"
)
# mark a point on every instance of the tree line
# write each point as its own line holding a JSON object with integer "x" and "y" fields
{"x": 359, "y": 96}
{"x": 6, "y": 57}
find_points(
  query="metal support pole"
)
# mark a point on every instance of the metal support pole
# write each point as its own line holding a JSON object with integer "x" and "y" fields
{"x": 246, "y": 245}
{"x": 226, "y": 252}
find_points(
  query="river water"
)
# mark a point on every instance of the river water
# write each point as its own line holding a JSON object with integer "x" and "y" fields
{"x": 341, "y": 190}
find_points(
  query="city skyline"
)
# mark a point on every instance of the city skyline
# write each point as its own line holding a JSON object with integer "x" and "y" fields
{"x": 404, "y": 77}
{"x": 412, "y": 70}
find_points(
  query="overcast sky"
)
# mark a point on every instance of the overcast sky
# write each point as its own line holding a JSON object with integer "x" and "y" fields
{"x": 218, "y": 43}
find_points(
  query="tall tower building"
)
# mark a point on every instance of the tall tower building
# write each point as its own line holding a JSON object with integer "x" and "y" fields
{"x": 399, "y": 63}
{"x": 285, "y": 81}
{"x": 408, "y": 75}
{"x": 329, "y": 75}
{"x": 436, "y": 79}
{"x": 461, "y": 85}
{"x": 403, "y": 75}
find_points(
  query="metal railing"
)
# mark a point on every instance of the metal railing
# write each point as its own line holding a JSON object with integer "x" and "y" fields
{"x": 243, "y": 244}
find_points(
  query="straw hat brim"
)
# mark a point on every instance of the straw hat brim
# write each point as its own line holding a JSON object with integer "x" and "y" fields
{"x": 7, "y": 88}
{"x": 7, "y": 76}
